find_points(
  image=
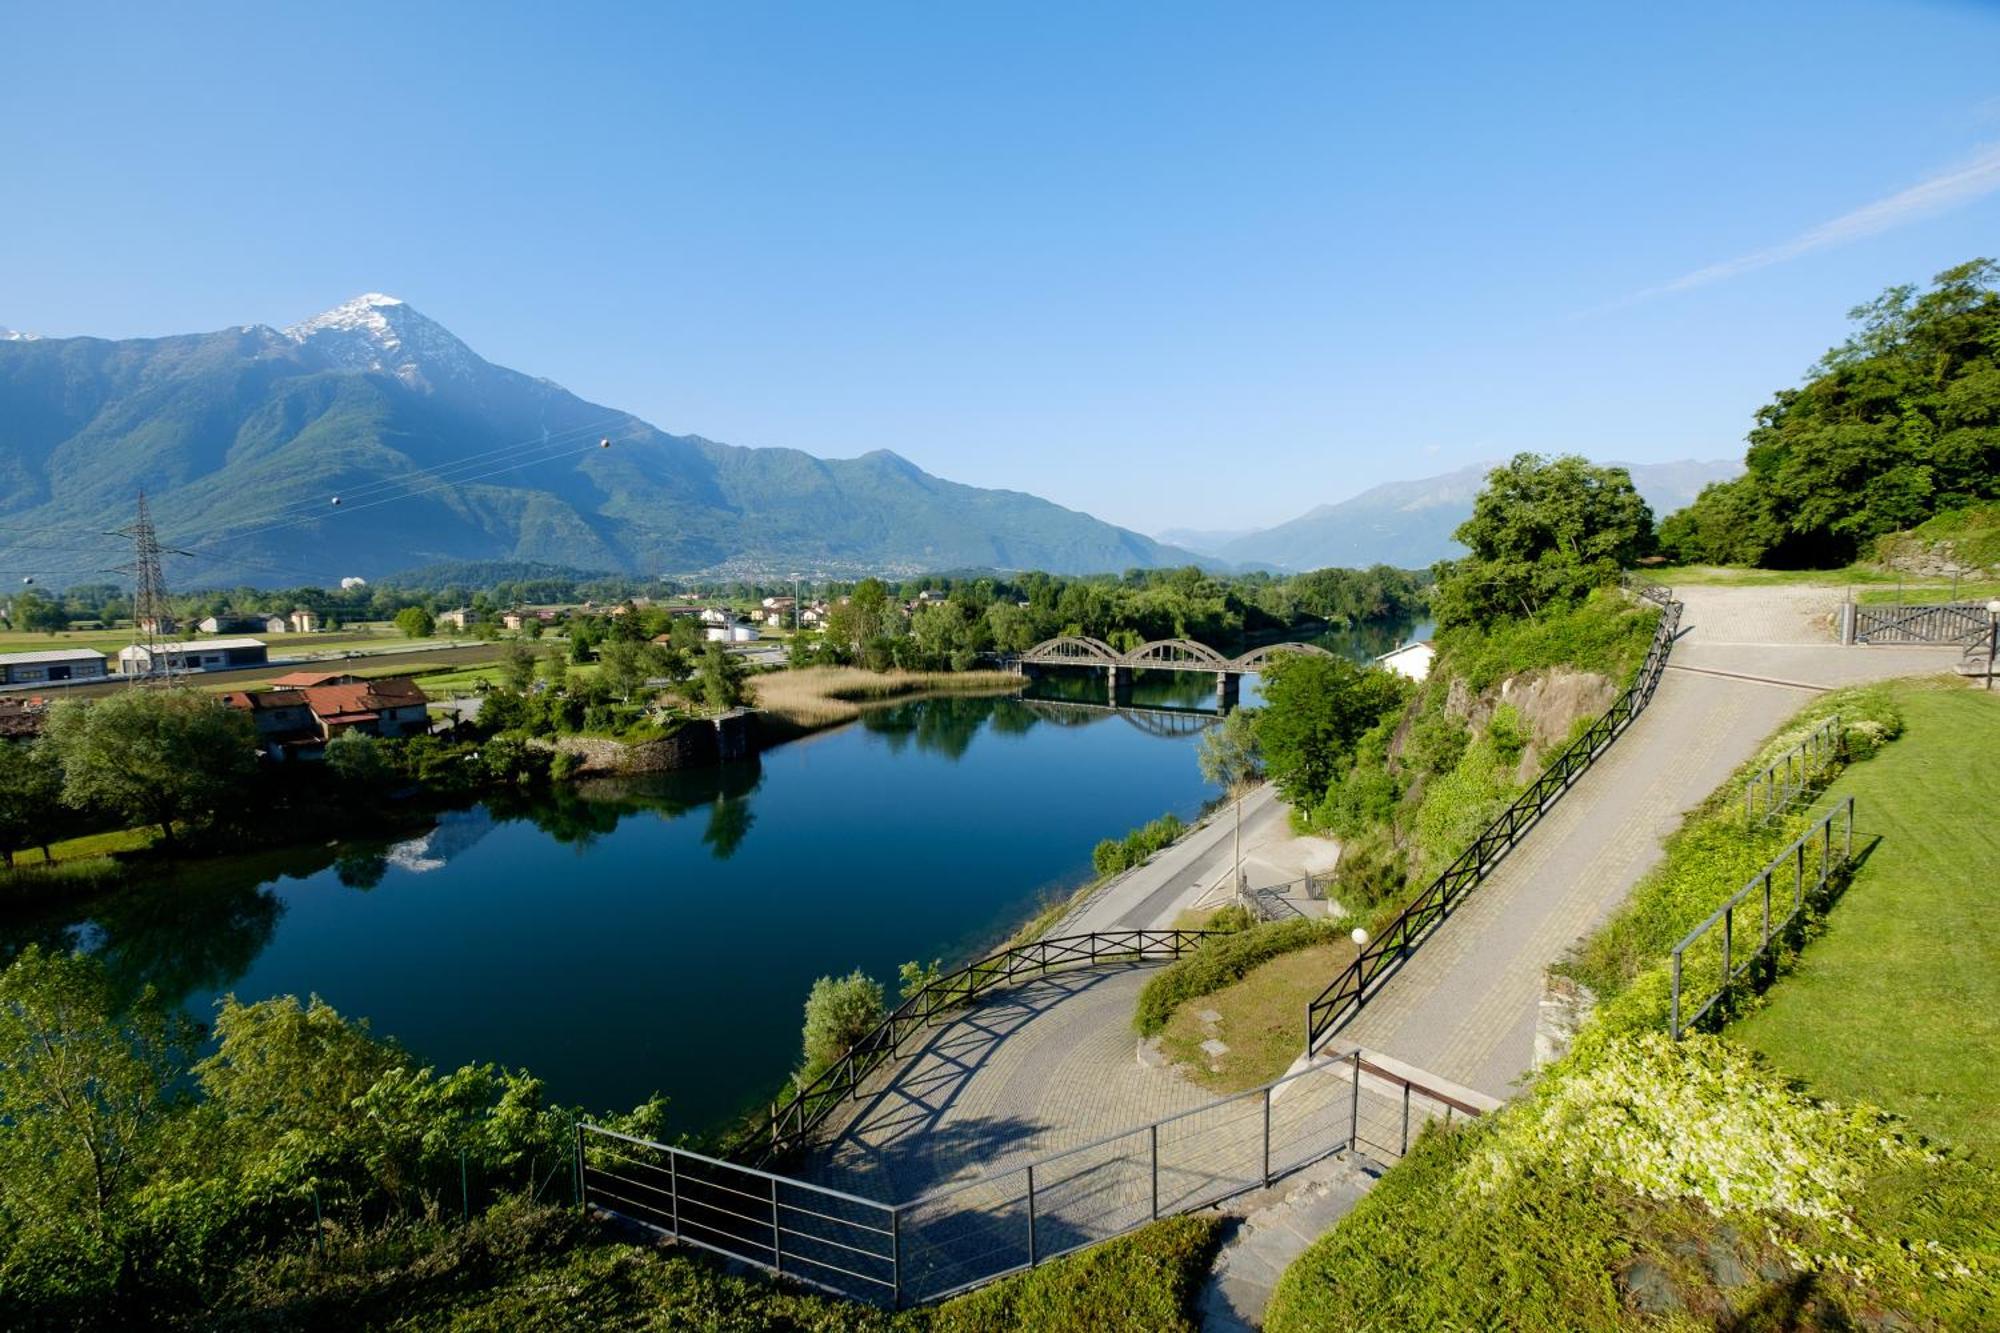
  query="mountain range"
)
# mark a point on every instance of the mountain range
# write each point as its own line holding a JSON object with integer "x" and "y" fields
{"x": 369, "y": 439}
{"x": 1409, "y": 524}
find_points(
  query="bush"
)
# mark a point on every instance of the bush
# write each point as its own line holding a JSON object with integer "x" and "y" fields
{"x": 1220, "y": 961}
{"x": 839, "y": 1012}
{"x": 1113, "y": 855}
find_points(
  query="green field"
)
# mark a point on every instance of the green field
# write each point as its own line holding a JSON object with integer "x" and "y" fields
{"x": 1899, "y": 1003}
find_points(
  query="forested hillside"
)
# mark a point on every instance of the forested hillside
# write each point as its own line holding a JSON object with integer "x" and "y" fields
{"x": 1896, "y": 425}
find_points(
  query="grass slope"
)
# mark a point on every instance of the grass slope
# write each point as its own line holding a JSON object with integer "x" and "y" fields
{"x": 1909, "y": 968}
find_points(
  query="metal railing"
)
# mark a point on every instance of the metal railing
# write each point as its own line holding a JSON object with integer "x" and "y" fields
{"x": 1788, "y": 776}
{"x": 1348, "y": 990}
{"x": 1731, "y": 965}
{"x": 1018, "y": 1217}
{"x": 1942, "y": 622}
{"x": 1274, "y": 902}
{"x": 792, "y": 1122}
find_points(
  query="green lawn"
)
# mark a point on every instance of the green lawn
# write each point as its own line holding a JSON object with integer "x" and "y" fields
{"x": 1899, "y": 1003}
{"x": 1263, "y": 1020}
{"x": 91, "y": 844}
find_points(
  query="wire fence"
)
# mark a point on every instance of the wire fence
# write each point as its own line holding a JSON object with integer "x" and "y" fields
{"x": 792, "y": 1122}
{"x": 1792, "y": 774}
{"x": 1815, "y": 863}
{"x": 1019, "y": 1216}
{"x": 1348, "y": 991}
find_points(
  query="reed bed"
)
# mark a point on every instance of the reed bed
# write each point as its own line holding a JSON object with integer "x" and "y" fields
{"x": 809, "y": 697}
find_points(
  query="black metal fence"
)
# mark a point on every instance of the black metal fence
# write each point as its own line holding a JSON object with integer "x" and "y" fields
{"x": 792, "y": 1122}
{"x": 1940, "y": 623}
{"x": 1808, "y": 884}
{"x": 1792, "y": 773}
{"x": 1018, "y": 1217}
{"x": 1346, "y": 993}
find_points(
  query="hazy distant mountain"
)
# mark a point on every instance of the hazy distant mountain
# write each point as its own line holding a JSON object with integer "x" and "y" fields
{"x": 243, "y": 438}
{"x": 1202, "y": 541}
{"x": 1409, "y": 523}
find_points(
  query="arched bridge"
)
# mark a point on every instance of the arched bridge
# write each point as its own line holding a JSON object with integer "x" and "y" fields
{"x": 1073, "y": 650}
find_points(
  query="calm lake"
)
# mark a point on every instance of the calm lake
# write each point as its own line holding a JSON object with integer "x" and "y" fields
{"x": 628, "y": 936}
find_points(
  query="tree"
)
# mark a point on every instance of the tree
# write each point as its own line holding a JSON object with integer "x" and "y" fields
{"x": 357, "y": 762}
{"x": 1315, "y": 710}
{"x": 42, "y": 615}
{"x": 1897, "y": 424}
{"x": 30, "y": 796}
{"x": 517, "y": 666}
{"x": 153, "y": 756}
{"x": 1543, "y": 532}
{"x": 627, "y": 666}
{"x": 86, "y": 1086}
{"x": 720, "y": 678}
{"x": 415, "y": 622}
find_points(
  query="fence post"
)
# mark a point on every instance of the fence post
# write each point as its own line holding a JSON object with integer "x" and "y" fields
{"x": 896, "y": 1258}
{"x": 1031, "y": 1215}
{"x": 1267, "y": 1136}
{"x": 1728, "y": 949}
{"x": 1676, "y": 1020}
{"x": 1404, "y": 1150}
{"x": 777, "y": 1232}
{"x": 1354, "y": 1106}
{"x": 579, "y": 1167}
{"x": 1848, "y": 854}
{"x": 464, "y": 1192}
{"x": 674, "y": 1190}
{"x": 1155, "y": 1128}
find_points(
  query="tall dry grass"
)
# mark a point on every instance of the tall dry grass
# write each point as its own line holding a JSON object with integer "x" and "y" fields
{"x": 824, "y": 696}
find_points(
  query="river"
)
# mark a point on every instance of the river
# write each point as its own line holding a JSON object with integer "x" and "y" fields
{"x": 622, "y": 937}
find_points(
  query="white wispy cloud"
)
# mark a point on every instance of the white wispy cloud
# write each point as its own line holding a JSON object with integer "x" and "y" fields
{"x": 1975, "y": 178}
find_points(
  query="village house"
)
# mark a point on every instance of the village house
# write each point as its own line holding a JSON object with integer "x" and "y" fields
{"x": 1412, "y": 659}
{"x": 296, "y": 721}
{"x": 306, "y": 621}
{"x": 511, "y": 620}
{"x": 286, "y": 727}
{"x": 197, "y": 655}
{"x": 277, "y": 625}
{"x": 717, "y": 615}
{"x": 231, "y": 623}
{"x": 53, "y": 664}
{"x": 739, "y": 630}
{"x": 457, "y": 620}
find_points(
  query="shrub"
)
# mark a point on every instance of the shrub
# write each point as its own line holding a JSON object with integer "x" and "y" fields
{"x": 839, "y": 1012}
{"x": 1113, "y": 855}
{"x": 1220, "y": 961}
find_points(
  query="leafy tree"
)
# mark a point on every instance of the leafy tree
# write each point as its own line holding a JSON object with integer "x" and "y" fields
{"x": 40, "y": 614}
{"x": 721, "y": 678}
{"x": 1228, "y": 755}
{"x": 1898, "y": 423}
{"x": 153, "y": 756}
{"x": 85, "y": 1092}
{"x": 1543, "y": 532}
{"x": 357, "y": 761}
{"x": 839, "y": 1012}
{"x": 30, "y": 796}
{"x": 415, "y": 622}
{"x": 626, "y": 666}
{"x": 517, "y": 666}
{"x": 1315, "y": 710}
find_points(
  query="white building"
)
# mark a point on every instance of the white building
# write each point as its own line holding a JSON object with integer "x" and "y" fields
{"x": 200, "y": 655}
{"x": 741, "y": 631}
{"x": 51, "y": 665}
{"x": 1412, "y": 659}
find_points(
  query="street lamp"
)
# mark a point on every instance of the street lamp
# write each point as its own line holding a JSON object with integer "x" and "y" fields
{"x": 1360, "y": 937}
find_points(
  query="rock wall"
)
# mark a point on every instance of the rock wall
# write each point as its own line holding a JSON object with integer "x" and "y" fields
{"x": 698, "y": 744}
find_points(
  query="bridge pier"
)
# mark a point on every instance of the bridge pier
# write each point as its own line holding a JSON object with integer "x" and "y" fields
{"x": 1119, "y": 678}
{"x": 1228, "y": 690}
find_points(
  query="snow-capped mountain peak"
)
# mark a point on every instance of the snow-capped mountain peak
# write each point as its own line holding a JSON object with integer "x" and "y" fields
{"x": 8, "y": 335}
{"x": 386, "y": 333}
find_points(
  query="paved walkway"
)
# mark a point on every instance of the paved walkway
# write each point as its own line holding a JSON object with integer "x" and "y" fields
{"x": 1463, "y": 1007}
{"x": 1051, "y": 1065}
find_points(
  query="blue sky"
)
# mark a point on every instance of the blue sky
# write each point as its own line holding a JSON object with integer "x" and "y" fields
{"x": 1179, "y": 265}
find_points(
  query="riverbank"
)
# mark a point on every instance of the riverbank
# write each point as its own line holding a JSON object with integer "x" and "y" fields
{"x": 806, "y": 699}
